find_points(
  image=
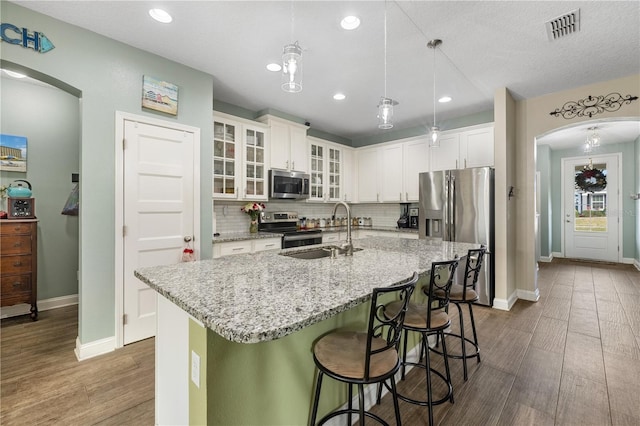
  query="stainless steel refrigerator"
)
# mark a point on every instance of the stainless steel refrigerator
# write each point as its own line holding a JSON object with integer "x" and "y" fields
{"x": 458, "y": 205}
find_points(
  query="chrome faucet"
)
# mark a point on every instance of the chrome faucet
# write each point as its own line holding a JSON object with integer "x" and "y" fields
{"x": 349, "y": 244}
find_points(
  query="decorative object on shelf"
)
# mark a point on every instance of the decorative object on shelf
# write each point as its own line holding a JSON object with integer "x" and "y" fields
{"x": 253, "y": 210}
{"x": 292, "y": 63}
{"x": 592, "y": 142}
{"x": 591, "y": 179}
{"x": 13, "y": 153}
{"x": 159, "y": 95}
{"x": 593, "y": 105}
{"x": 385, "y": 106}
{"x": 434, "y": 131}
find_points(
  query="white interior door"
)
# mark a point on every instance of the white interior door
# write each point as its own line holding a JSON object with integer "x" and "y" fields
{"x": 158, "y": 213}
{"x": 591, "y": 217}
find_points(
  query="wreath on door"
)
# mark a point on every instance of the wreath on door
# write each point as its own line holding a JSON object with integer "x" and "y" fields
{"x": 591, "y": 180}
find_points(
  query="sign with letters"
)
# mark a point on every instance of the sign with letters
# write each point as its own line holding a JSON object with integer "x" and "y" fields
{"x": 35, "y": 40}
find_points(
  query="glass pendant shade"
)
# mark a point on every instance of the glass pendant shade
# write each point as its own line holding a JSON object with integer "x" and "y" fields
{"x": 385, "y": 113}
{"x": 292, "y": 68}
{"x": 587, "y": 147}
{"x": 434, "y": 137}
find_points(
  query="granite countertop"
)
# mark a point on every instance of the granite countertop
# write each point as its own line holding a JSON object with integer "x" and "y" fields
{"x": 244, "y": 236}
{"x": 258, "y": 297}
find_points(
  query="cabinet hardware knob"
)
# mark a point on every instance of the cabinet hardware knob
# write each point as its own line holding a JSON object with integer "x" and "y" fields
{"x": 17, "y": 264}
{"x": 17, "y": 244}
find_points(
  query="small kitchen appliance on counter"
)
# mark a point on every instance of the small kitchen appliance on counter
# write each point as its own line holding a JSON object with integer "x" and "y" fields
{"x": 403, "y": 222}
{"x": 287, "y": 223}
{"x": 413, "y": 217}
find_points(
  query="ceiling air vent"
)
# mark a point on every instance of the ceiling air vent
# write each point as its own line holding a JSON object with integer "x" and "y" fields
{"x": 564, "y": 25}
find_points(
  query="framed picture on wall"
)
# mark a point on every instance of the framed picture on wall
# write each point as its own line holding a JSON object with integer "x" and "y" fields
{"x": 13, "y": 153}
{"x": 159, "y": 95}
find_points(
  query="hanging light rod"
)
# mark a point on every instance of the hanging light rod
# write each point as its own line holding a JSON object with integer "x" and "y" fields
{"x": 434, "y": 131}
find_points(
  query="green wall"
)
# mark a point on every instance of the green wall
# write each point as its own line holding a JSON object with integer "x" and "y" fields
{"x": 50, "y": 120}
{"x": 108, "y": 76}
{"x": 629, "y": 218}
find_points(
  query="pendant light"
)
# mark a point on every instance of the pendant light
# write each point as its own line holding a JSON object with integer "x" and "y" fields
{"x": 434, "y": 131}
{"x": 385, "y": 106}
{"x": 592, "y": 142}
{"x": 292, "y": 64}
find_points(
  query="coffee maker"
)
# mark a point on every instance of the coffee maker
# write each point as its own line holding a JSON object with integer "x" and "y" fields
{"x": 403, "y": 222}
{"x": 413, "y": 217}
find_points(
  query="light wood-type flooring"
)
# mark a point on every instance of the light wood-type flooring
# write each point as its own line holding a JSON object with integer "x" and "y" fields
{"x": 572, "y": 358}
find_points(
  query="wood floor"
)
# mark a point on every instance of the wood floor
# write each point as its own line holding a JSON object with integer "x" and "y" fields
{"x": 42, "y": 381}
{"x": 572, "y": 358}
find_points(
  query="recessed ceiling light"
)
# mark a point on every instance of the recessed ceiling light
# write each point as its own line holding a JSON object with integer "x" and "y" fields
{"x": 444, "y": 99}
{"x": 274, "y": 67}
{"x": 339, "y": 96}
{"x": 160, "y": 15}
{"x": 14, "y": 74}
{"x": 350, "y": 22}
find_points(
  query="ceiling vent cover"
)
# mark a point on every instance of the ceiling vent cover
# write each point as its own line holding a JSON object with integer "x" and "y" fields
{"x": 564, "y": 25}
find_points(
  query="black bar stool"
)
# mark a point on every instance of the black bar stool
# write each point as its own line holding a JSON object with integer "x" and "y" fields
{"x": 466, "y": 294}
{"x": 363, "y": 358}
{"x": 429, "y": 319}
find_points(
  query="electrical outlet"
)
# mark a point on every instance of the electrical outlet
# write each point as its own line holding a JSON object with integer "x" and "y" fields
{"x": 195, "y": 368}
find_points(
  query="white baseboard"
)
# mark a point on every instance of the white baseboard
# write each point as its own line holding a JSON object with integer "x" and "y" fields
{"x": 636, "y": 263}
{"x": 546, "y": 259}
{"x": 557, "y": 254}
{"x": 43, "y": 305}
{"x": 531, "y": 296}
{"x": 628, "y": 260}
{"x": 505, "y": 304}
{"x": 95, "y": 348}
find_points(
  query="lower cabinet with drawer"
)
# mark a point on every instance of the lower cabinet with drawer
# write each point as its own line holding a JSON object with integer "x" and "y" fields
{"x": 19, "y": 263}
{"x": 245, "y": 246}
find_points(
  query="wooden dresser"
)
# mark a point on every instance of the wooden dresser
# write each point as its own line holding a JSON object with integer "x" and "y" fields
{"x": 19, "y": 263}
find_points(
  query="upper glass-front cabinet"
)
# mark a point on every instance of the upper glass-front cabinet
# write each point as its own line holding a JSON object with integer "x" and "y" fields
{"x": 225, "y": 152}
{"x": 255, "y": 178}
{"x": 325, "y": 170}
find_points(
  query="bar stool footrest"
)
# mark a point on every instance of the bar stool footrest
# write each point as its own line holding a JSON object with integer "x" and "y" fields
{"x": 442, "y": 400}
{"x": 475, "y": 354}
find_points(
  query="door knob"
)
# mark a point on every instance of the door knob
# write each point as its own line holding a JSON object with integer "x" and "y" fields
{"x": 187, "y": 239}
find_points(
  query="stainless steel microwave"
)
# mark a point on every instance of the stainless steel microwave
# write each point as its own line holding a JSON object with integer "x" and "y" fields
{"x": 287, "y": 184}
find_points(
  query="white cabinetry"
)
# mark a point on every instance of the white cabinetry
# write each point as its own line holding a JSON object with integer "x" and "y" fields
{"x": 464, "y": 148}
{"x": 368, "y": 175}
{"x": 288, "y": 144}
{"x": 239, "y": 159}
{"x": 389, "y": 173}
{"x": 348, "y": 175}
{"x": 245, "y": 246}
{"x": 326, "y": 170}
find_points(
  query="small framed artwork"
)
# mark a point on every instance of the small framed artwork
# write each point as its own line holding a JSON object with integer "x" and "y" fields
{"x": 159, "y": 95}
{"x": 13, "y": 153}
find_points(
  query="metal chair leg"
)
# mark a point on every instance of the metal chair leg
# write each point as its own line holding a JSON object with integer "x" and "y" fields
{"x": 404, "y": 352}
{"x": 427, "y": 363}
{"x": 361, "y": 407}
{"x": 473, "y": 327}
{"x": 446, "y": 366}
{"x": 316, "y": 398}
{"x": 462, "y": 342}
{"x": 396, "y": 406}
{"x": 350, "y": 396}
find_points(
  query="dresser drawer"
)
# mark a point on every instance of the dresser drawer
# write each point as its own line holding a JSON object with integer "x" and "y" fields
{"x": 15, "y": 228}
{"x": 15, "y": 264}
{"x": 15, "y": 244}
{"x": 15, "y": 289}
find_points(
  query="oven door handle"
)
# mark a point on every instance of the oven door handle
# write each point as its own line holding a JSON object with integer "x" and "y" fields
{"x": 299, "y": 237}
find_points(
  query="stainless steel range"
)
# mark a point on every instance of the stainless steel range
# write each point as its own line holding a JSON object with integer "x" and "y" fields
{"x": 287, "y": 223}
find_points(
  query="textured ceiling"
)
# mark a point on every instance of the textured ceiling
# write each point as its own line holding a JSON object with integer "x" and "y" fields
{"x": 486, "y": 45}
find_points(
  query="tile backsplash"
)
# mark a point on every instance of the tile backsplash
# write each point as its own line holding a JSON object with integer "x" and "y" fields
{"x": 227, "y": 216}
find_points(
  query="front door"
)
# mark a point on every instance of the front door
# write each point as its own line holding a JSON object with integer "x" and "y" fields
{"x": 591, "y": 208}
{"x": 158, "y": 213}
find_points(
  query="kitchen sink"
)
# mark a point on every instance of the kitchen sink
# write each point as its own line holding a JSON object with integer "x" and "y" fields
{"x": 317, "y": 253}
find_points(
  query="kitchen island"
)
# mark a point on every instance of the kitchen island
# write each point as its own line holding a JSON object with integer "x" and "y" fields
{"x": 249, "y": 322}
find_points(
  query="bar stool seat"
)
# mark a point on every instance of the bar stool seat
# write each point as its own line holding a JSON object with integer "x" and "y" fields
{"x": 360, "y": 358}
